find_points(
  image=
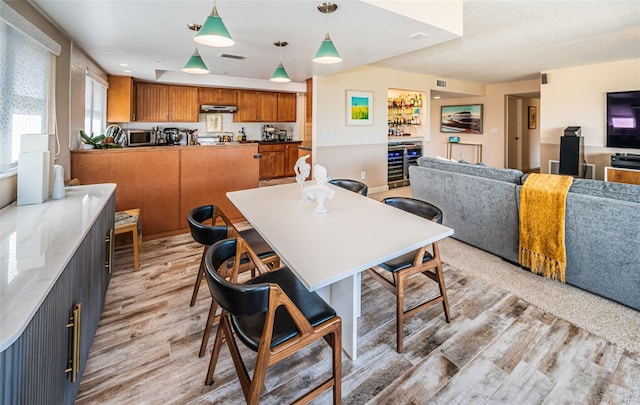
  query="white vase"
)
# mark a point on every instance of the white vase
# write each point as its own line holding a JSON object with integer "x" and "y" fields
{"x": 58, "y": 182}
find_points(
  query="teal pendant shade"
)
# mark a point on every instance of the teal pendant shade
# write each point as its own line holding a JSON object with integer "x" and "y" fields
{"x": 213, "y": 32}
{"x": 280, "y": 75}
{"x": 195, "y": 65}
{"x": 327, "y": 52}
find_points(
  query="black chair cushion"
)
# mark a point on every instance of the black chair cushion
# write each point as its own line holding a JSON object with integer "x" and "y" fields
{"x": 403, "y": 262}
{"x": 258, "y": 245}
{"x": 315, "y": 309}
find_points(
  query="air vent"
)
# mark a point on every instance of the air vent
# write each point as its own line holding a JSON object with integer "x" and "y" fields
{"x": 229, "y": 56}
{"x": 441, "y": 83}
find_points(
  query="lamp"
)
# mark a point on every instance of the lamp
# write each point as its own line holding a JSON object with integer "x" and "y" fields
{"x": 327, "y": 52}
{"x": 195, "y": 64}
{"x": 213, "y": 32}
{"x": 280, "y": 74}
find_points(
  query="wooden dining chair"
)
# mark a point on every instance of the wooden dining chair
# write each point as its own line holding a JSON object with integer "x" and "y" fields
{"x": 420, "y": 261}
{"x": 351, "y": 185}
{"x": 272, "y": 314}
{"x": 208, "y": 224}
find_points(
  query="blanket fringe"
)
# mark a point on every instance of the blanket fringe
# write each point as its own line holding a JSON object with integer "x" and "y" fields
{"x": 542, "y": 265}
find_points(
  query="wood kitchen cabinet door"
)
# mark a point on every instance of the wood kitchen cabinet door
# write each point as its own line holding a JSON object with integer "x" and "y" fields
{"x": 217, "y": 96}
{"x": 183, "y": 104}
{"x": 268, "y": 107}
{"x": 290, "y": 158}
{"x": 287, "y": 107}
{"x": 272, "y": 163}
{"x": 247, "y": 107}
{"x": 120, "y": 99}
{"x": 152, "y": 102}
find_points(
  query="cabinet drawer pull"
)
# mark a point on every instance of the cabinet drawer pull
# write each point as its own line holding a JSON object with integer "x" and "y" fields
{"x": 109, "y": 241}
{"x": 75, "y": 322}
{"x": 257, "y": 156}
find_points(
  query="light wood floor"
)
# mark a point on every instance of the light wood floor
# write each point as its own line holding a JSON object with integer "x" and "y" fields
{"x": 497, "y": 348}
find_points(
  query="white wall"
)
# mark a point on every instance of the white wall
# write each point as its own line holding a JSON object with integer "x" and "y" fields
{"x": 576, "y": 96}
{"x": 346, "y": 151}
{"x": 493, "y": 137}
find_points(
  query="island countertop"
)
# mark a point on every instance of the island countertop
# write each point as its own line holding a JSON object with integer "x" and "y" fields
{"x": 36, "y": 243}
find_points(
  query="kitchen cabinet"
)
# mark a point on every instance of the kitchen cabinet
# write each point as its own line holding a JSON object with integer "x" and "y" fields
{"x": 308, "y": 133}
{"x": 287, "y": 107}
{"x": 121, "y": 99}
{"x": 152, "y": 102}
{"x": 272, "y": 163}
{"x": 290, "y": 158}
{"x": 147, "y": 177}
{"x": 208, "y": 173}
{"x": 217, "y": 96}
{"x": 166, "y": 182}
{"x": 256, "y": 106}
{"x": 183, "y": 104}
{"x": 36, "y": 362}
{"x": 162, "y": 103}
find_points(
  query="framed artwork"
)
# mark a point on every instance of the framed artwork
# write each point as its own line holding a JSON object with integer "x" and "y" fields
{"x": 214, "y": 122}
{"x": 532, "y": 117}
{"x": 461, "y": 118}
{"x": 359, "y": 107}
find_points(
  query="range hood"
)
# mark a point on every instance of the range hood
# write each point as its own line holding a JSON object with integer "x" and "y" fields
{"x": 206, "y": 108}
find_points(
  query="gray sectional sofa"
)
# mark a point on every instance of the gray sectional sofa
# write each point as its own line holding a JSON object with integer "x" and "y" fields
{"x": 602, "y": 228}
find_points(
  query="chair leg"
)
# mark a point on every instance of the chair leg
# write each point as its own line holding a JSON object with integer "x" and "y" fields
{"x": 443, "y": 292}
{"x": 337, "y": 365}
{"x": 198, "y": 279}
{"x": 399, "y": 313}
{"x": 215, "y": 352}
{"x": 136, "y": 248}
{"x": 207, "y": 330}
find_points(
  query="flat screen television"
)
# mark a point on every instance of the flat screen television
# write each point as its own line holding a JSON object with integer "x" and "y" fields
{"x": 623, "y": 119}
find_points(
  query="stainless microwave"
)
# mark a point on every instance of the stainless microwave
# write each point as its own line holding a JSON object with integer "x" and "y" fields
{"x": 141, "y": 138}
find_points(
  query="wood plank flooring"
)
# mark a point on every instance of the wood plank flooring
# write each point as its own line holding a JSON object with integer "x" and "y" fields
{"x": 497, "y": 348}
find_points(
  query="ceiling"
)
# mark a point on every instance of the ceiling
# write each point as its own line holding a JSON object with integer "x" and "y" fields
{"x": 502, "y": 41}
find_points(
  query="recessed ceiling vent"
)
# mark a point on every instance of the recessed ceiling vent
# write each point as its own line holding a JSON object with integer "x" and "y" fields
{"x": 441, "y": 83}
{"x": 229, "y": 56}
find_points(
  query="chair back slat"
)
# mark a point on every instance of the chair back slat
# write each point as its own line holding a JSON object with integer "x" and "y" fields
{"x": 237, "y": 299}
{"x": 351, "y": 185}
{"x": 202, "y": 232}
{"x": 417, "y": 207}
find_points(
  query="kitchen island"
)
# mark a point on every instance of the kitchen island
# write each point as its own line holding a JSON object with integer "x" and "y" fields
{"x": 55, "y": 266}
{"x": 166, "y": 182}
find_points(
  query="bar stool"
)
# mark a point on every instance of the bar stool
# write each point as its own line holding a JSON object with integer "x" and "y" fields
{"x": 129, "y": 221}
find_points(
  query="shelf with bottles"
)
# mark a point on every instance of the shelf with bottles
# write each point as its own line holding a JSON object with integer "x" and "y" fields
{"x": 405, "y": 109}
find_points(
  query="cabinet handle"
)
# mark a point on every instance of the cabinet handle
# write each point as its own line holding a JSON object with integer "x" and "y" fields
{"x": 75, "y": 322}
{"x": 109, "y": 264}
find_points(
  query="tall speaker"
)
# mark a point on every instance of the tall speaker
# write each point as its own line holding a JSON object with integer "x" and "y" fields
{"x": 571, "y": 155}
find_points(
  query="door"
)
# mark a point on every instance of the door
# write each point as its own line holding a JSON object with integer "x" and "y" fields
{"x": 513, "y": 127}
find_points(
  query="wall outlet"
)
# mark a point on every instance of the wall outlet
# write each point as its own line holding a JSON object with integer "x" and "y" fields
{"x": 363, "y": 175}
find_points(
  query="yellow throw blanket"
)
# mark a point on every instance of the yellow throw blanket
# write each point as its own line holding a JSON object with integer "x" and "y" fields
{"x": 542, "y": 214}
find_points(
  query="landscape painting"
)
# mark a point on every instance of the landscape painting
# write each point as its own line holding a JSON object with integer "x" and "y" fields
{"x": 359, "y": 108}
{"x": 461, "y": 119}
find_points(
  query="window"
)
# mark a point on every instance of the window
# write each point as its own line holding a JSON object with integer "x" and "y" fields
{"x": 95, "y": 102}
{"x": 24, "y": 71}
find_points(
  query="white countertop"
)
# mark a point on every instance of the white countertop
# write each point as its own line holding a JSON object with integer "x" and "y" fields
{"x": 36, "y": 243}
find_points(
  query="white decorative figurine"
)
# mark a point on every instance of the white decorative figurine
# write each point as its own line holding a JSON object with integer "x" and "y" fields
{"x": 319, "y": 192}
{"x": 302, "y": 169}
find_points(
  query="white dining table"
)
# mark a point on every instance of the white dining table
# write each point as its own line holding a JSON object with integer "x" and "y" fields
{"x": 329, "y": 251}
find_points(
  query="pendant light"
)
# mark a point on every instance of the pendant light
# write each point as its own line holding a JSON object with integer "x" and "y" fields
{"x": 195, "y": 64}
{"x": 280, "y": 74}
{"x": 327, "y": 52}
{"x": 213, "y": 32}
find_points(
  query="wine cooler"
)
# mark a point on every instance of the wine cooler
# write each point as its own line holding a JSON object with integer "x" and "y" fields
{"x": 399, "y": 157}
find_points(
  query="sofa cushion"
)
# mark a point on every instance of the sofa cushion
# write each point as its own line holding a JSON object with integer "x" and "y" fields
{"x": 615, "y": 191}
{"x": 493, "y": 173}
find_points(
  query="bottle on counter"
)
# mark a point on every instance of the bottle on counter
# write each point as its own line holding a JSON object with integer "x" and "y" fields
{"x": 244, "y": 135}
